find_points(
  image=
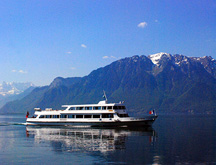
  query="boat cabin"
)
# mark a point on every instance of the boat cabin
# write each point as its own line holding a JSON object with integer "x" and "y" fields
{"x": 87, "y": 111}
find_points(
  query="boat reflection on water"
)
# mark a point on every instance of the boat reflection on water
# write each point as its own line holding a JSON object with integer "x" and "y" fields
{"x": 87, "y": 139}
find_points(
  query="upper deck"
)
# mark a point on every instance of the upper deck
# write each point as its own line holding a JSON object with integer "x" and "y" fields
{"x": 102, "y": 105}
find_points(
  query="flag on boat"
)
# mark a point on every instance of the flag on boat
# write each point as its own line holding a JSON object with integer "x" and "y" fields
{"x": 151, "y": 112}
{"x": 27, "y": 114}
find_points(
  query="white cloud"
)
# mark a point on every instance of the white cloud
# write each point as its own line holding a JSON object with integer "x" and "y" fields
{"x": 106, "y": 57}
{"x": 83, "y": 45}
{"x": 73, "y": 68}
{"x": 142, "y": 24}
{"x": 23, "y": 72}
{"x": 19, "y": 71}
{"x": 68, "y": 52}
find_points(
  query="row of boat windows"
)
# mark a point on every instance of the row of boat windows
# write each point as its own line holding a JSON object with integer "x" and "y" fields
{"x": 97, "y": 108}
{"x": 122, "y": 115}
{"x": 77, "y": 116}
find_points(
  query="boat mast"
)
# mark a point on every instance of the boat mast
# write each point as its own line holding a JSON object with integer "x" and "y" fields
{"x": 104, "y": 96}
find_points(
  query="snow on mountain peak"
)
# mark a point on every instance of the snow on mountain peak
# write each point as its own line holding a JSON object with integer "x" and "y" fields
{"x": 155, "y": 58}
{"x": 12, "y": 88}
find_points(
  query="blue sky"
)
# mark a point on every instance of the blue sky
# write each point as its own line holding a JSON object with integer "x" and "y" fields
{"x": 44, "y": 39}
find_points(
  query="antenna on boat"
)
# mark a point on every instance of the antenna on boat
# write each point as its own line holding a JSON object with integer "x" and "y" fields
{"x": 104, "y": 96}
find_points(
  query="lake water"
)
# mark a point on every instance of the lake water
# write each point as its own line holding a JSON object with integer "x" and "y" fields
{"x": 173, "y": 139}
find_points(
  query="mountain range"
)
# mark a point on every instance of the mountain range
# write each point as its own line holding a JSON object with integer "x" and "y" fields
{"x": 164, "y": 82}
{"x": 10, "y": 91}
{"x": 13, "y": 88}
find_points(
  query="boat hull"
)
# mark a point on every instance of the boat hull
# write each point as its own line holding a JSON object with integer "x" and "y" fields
{"x": 124, "y": 123}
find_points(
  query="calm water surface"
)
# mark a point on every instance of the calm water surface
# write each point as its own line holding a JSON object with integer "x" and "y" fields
{"x": 176, "y": 139}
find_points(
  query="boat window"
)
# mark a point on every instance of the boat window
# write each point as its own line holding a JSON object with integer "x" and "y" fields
{"x": 55, "y": 116}
{"x": 79, "y": 108}
{"x": 70, "y": 116}
{"x": 109, "y": 107}
{"x": 79, "y": 116}
{"x": 115, "y": 107}
{"x": 88, "y": 108}
{"x": 103, "y": 108}
{"x": 96, "y": 116}
{"x": 122, "y": 115}
{"x": 119, "y": 107}
{"x": 63, "y": 116}
{"x": 41, "y": 116}
{"x": 72, "y": 108}
{"x": 107, "y": 115}
{"x": 87, "y": 116}
{"x": 48, "y": 116}
{"x": 97, "y": 108}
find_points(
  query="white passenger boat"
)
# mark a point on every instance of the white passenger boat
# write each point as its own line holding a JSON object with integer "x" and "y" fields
{"x": 95, "y": 115}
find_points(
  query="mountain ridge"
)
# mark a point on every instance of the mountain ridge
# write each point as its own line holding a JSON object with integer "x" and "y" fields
{"x": 161, "y": 81}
